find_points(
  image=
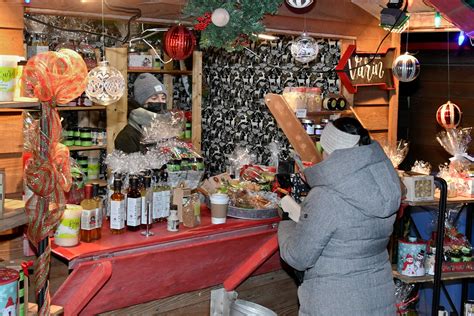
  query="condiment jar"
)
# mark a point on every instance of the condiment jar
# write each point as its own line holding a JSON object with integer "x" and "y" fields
{"x": 329, "y": 104}
{"x": 313, "y": 99}
{"x": 308, "y": 126}
{"x": 173, "y": 220}
{"x": 318, "y": 129}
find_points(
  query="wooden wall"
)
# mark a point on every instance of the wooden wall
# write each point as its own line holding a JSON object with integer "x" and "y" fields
{"x": 420, "y": 99}
{"x": 11, "y": 29}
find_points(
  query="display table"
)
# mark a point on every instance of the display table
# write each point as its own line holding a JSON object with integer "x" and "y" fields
{"x": 123, "y": 270}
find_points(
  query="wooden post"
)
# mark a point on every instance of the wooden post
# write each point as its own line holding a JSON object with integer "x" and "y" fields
{"x": 168, "y": 82}
{"x": 393, "y": 97}
{"x": 117, "y": 112}
{"x": 197, "y": 100}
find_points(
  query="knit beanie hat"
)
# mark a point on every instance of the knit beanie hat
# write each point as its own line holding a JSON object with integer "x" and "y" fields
{"x": 145, "y": 86}
{"x": 333, "y": 138}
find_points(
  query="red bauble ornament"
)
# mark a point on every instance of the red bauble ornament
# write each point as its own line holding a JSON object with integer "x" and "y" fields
{"x": 449, "y": 115}
{"x": 179, "y": 42}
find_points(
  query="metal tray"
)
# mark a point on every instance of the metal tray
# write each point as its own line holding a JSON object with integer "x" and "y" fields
{"x": 253, "y": 214}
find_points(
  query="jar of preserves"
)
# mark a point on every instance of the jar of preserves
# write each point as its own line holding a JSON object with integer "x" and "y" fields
{"x": 308, "y": 125}
{"x": 330, "y": 104}
{"x": 314, "y": 99}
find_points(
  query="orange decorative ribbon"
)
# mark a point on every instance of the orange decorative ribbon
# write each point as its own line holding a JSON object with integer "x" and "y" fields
{"x": 54, "y": 78}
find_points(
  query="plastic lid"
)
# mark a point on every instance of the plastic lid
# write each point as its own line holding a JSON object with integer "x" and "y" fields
{"x": 8, "y": 275}
{"x": 314, "y": 90}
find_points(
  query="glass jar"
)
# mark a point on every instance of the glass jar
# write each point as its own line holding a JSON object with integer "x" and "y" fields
{"x": 308, "y": 125}
{"x": 295, "y": 97}
{"x": 318, "y": 129}
{"x": 330, "y": 104}
{"x": 313, "y": 99}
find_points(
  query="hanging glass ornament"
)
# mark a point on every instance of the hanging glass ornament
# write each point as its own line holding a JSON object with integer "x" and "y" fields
{"x": 406, "y": 68}
{"x": 179, "y": 42}
{"x": 105, "y": 84}
{"x": 449, "y": 115}
{"x": 304, "y": 49}
{"x": 220, "y": 17}
{"x": 299, "y": 4}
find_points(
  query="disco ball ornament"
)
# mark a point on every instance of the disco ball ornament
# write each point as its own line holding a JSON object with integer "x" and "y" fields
{"x": 179, "y": 42}
{"x": 304, "y": 49}
{"x": 449, "y": 115}
{"x": 220, "y": 17}
{"x": 406, "y": 68}
{"x": 105, "y": 84}
{"x": 299, "y": 4}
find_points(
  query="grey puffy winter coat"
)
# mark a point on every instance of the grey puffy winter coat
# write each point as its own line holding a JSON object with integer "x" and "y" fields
{"x": 342, "y": 235}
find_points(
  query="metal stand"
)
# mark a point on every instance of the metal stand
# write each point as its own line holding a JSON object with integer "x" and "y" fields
{"x": 442, "y": 185}
{"x": 147, "y": 232}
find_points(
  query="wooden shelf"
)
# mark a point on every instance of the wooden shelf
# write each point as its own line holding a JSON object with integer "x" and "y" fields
{"x": 160, "y": 71}
{"x": 320, "y": 113}
{"x": 19, "y": 104}
{"x": 435, "y": 202}
{"x": 14, "y": 215}
{"x": 81, "y": 108}
{"x": 445, "y": 276}
{"x": 81, "y": 148}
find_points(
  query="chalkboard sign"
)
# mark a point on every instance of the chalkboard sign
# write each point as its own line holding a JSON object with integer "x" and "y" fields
{"x": 366, "y": 69}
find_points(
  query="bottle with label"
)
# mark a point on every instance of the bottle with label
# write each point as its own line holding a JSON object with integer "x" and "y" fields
{"x": 134, "y": 205}
{"x": 88, "y": 216}
{"x": 147, "y": 197}
{"x": 173, "y": 220}
{"x": 99, "y": 211}
{"x": 117, "y": 209}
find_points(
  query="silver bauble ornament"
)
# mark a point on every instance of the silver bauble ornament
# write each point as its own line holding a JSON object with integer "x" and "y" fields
{"x": 406, "y": 68}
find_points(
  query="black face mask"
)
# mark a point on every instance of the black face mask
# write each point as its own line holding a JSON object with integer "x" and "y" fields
{"x": 156, "y": 107}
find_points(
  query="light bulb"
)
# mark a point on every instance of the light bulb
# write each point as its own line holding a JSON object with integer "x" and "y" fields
{"x": 461, "y": 38}
{"x": 437, "y": 19}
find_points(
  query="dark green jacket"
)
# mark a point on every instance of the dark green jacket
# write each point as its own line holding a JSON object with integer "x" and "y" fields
{"x": 128, "y": 140}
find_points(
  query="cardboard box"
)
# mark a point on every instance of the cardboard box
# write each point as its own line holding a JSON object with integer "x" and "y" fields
{"x": 419, "y": 187}
{"x": 140, "y": 61}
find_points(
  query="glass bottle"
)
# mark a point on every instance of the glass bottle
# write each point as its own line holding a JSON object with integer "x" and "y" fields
{"x": 134, "y": 205}
{"x": 88, "y": 217}
{"x": 147, "y": 197}
{"x": 100, "y": 215}
{"x": 173, "y": 220}
{"x": 117, "y": 209}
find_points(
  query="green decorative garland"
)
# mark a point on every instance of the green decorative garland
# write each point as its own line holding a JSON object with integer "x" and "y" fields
{"x": 245, "y": 21}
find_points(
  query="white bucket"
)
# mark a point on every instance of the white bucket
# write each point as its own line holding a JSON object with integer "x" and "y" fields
{"x": 246, "y": 308}
{"x": 8, "y": 64}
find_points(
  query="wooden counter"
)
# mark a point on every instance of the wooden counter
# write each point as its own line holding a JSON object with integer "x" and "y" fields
{"x": 123, "y": 270}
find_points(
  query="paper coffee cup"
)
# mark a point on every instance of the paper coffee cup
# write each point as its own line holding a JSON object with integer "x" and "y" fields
{"x": 219, "y": 204}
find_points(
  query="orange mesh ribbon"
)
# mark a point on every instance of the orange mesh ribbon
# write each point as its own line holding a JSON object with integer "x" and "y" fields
{"x": 53, "y": 77}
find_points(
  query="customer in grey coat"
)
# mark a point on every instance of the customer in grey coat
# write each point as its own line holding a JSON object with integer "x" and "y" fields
{"x": 346, "y": 220}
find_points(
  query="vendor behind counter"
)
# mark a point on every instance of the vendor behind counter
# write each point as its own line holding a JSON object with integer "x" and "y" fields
{"x": 149, "y": 99}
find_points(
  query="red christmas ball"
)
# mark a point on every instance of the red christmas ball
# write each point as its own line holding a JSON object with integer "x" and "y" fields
{"x": 449, "y": 115}
{"x": 179, "y": 42}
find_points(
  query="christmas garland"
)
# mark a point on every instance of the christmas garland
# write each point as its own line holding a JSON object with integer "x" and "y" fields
{"x": 245, "y": 21}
